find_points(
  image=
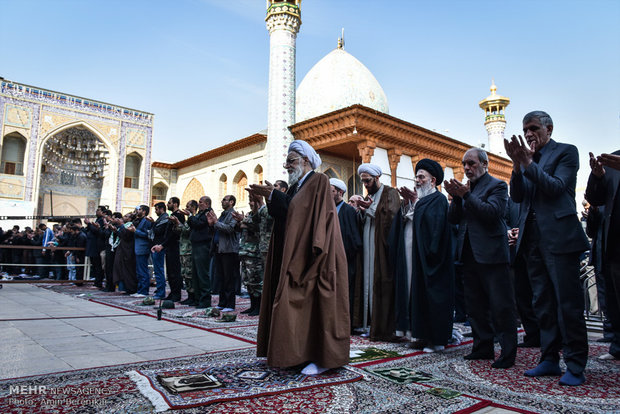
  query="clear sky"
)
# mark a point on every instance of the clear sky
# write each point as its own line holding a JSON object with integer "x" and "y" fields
{"x": 201, "y": 66}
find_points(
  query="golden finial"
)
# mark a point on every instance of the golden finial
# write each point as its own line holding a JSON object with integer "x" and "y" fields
{"x": 341, "y": 40}
{"x": 493, "y": 87}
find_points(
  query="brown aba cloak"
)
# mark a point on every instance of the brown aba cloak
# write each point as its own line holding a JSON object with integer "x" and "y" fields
{"x": 382, "y": 324}
{"x": 307, "y": 319}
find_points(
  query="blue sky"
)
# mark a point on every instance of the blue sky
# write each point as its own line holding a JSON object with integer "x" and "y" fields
{"x": 201, "y": 66}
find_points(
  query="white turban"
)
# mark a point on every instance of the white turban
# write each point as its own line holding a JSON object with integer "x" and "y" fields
{"x": 371, "y": 169}
{"x": 339, "y": 184}
{"x": 305, "y": 150}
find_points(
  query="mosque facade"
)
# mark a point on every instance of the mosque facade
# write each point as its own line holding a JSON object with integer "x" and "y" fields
{"x": 64, "y": 155}
{"x": 339, "y": 108}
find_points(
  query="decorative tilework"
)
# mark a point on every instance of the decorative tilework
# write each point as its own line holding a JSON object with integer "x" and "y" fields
{"x": 11, "y": 186}
{"x": 19, "y": 116}
{"x": 136, "y": 138}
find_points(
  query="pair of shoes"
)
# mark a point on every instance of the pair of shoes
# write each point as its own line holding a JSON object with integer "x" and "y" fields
{"x": 571, "y": 379}
{"x": 503, "y": 363}
{"x": 228, "y": 310}
{"x": 431, "y": 349}
{"x": 545, "y": 368}
{"x": 479, "y": 355}
{"x": 607, "y": 357}
{"x": 137, "y": 295}
{"x": 529, "y": 344}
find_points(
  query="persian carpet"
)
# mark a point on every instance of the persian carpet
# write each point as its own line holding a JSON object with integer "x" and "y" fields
{"x": 240, "y": 378}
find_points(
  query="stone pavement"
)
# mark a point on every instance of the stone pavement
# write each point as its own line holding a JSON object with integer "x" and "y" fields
{"x": 43, "y": 332}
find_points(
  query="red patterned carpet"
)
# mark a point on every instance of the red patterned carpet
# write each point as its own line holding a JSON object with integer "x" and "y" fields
{"x": 112, "y": 390}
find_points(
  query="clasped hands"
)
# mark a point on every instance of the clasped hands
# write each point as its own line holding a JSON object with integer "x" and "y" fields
{"x": 456, "y": 188}
{"x": 519, "y": 152}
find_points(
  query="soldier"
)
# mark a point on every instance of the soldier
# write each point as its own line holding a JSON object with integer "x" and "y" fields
{"x": 185, "y": 249}
{"x": 252, "y": 264}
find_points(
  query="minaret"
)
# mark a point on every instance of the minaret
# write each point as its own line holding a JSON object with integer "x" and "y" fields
{"x": 283, "y": 21}
{"x": 495, "y": 122}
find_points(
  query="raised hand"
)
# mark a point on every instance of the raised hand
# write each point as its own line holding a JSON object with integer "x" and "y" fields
{"x": 264, "y": 190}
{"x": 452, "y": 187}
{"x": 609, "y": 160}
{"x": 596, "y": 166}
{"x": 238, "y": 216}
{"x": 211, "y": 218}
{"x": 408, "y": 194}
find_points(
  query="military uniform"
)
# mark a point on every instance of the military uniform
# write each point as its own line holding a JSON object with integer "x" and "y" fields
{"x": 252, "y": 264}
{"x": 265, "y": 225}
{"x": 185, "y": 249}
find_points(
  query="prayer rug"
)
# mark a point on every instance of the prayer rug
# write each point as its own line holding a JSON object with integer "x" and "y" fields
{"x": 371, "y": 354}
{"x": 600, "y": 393}
{"x": 402, "y": 375}
{"x": 232, "y": 379}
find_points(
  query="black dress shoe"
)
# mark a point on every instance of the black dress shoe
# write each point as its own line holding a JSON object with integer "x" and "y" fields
{"x": 203, "y": 306}
{"x": 503, "y": 363}
{"x": 479, "y": 355}
{"x": 188, "y": 301}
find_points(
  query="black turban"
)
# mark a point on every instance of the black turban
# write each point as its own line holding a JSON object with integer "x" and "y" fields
{"x": 433, "y": 169}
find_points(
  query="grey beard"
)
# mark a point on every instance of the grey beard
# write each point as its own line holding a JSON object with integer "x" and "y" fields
{"x": 425, "y": 190}
{"x": 295, "y": 176}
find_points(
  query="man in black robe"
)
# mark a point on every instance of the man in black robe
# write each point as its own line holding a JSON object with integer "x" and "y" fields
{"x": 347, "y": 216}
{"x": 431, "y": 303}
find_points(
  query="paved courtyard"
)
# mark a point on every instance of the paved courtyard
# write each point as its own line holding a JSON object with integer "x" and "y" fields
{"x": 42, "y": 332}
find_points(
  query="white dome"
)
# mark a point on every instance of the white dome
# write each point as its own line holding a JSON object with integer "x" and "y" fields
{"x": 337, "y": 81}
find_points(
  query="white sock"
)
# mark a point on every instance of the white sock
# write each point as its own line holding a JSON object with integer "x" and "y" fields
{"x": 313, "y": 369}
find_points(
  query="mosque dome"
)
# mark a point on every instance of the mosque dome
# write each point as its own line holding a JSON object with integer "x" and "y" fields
{"x": 337, "y": 81}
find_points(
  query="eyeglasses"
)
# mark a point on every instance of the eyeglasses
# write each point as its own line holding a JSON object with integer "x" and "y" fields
{"x": 290, "y": 161}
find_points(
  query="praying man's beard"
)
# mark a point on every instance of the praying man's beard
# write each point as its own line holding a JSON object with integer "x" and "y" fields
{"x": 425, "y": 189}
{"x": 295, "y": 175}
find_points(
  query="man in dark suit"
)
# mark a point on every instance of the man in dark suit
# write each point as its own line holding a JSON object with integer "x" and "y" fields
{"x": 478, "y": 208}
{"x": 142, "y": 248}
{"x": 604, "y": 190}
{"x": 551, "y": 239}
{"x": 347, "y": 216}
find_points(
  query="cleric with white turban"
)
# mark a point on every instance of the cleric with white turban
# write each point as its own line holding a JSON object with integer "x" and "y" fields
{"x": 339, "y": 184}
{"x": 371, "y": 169}
{"x": 305, "y": 150}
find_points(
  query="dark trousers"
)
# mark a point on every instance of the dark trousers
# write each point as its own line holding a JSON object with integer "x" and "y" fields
{"x": 558, "y": 301}
{"x": 523, "y": 297}
{"x": 173, "y": 269}
{"x": 109, "y": 270}
{"x": 611, "y": 273}
{"x": 490, "y": 304}
{"x": 227, "y": 265}
{"x": 460, "y": 310}
{"x": 96, "y": 269}
{"x": 200, "y": 277}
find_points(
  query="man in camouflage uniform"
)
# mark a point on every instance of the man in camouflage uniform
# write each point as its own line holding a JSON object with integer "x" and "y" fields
{"x": 185, "y": 249}
{"x": 252, "y": 263}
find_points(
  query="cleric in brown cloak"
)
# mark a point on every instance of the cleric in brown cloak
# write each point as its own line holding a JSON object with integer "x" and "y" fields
{"x": 305, "y": 319}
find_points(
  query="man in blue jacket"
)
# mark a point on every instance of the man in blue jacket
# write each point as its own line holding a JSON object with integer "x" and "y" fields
{"x": 142, "y": 248}
{"x": 551, "y": 238}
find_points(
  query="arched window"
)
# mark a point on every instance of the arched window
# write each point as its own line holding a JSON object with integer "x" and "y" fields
{"x": 133, "y": 163}
{"x": 258, "y": 174}
{"x": 158, "y": 193}
{"x": 13, "y": 149}
{"x": 241, "y": 182}
{"x": 331, "y": 173}
{"x": 354, "y": 185}
{"x": 193, "y": 191}
{"x": 223, "y": 185}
